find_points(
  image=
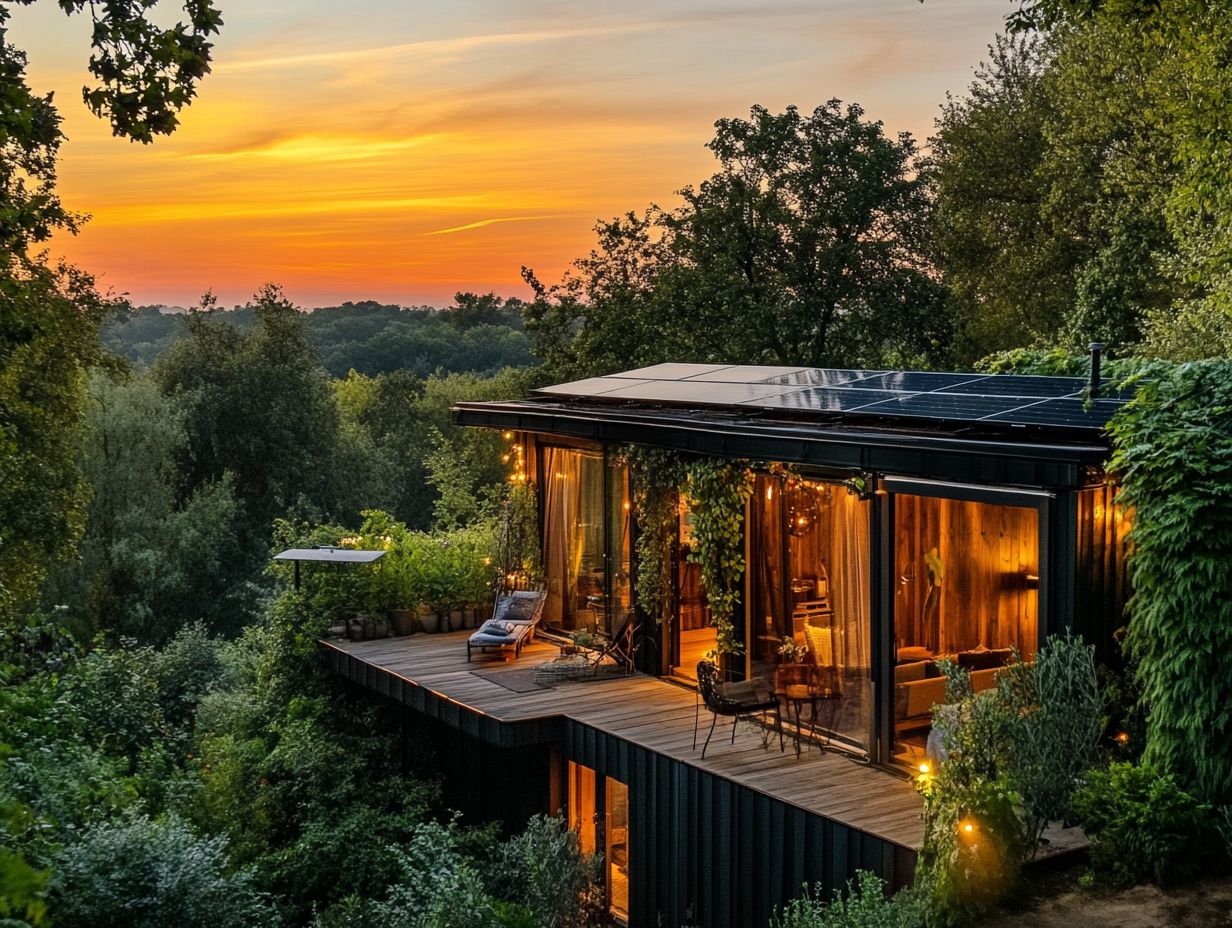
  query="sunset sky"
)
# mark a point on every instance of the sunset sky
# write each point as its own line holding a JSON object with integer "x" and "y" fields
{"x": 400, "y": 151}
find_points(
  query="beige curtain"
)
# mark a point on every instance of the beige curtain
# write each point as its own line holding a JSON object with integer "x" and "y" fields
{"x": 853, "y": 585}
{"x": 562, "y": 542}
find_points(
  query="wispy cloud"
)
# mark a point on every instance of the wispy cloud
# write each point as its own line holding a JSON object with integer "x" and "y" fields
{"x": 479, "y": 224}
{"x": 435, "y": 47}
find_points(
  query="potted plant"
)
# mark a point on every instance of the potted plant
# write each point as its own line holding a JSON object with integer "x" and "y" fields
{"x": 400, "y": 589}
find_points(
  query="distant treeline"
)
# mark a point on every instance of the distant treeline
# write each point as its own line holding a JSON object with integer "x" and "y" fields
{"x": 480, "y": 333}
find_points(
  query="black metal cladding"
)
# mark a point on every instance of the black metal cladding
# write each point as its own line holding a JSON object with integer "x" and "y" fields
{"x": 935, "y": 455}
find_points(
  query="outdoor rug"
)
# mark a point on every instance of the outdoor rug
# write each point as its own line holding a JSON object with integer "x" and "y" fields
{"x": 522, "y": 679}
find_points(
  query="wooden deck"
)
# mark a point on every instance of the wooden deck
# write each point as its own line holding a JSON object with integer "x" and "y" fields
{"x": 430, "y": 672}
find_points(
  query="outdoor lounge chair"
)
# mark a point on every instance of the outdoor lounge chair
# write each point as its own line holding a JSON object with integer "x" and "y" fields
{"x": 513, "y": 623}
{"x": 743, "y": 698}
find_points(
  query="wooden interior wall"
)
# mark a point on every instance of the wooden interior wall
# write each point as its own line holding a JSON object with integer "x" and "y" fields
{"x": 1102, "y": 586}
{"x": 989, "y": 591}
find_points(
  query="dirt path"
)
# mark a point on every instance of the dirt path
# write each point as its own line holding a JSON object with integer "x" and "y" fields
{"x": 1206, "y": 904}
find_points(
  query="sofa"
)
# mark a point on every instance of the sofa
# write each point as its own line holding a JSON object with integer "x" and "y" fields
{"x": 920, "y": 685}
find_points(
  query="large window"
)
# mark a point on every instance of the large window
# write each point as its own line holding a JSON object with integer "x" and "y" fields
{"x": 617, "y": 849}
{"x": 586, "y": 540}
{"x": 966, "y": 588}
{"x": 811, "y": 584}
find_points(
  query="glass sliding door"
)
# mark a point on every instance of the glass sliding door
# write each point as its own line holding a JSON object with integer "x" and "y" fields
{"x": 586, "y": 539}
{"x": 811, "y": 587}
{"x": 966, "y": 588}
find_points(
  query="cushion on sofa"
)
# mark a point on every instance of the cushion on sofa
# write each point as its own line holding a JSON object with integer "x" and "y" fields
{"x": 905, "y": 673}
{"x": 984, "y": 658}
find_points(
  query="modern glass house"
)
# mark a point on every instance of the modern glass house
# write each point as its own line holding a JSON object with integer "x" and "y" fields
{"x": 923, "y": 515}
{"x": 895, "y": 518}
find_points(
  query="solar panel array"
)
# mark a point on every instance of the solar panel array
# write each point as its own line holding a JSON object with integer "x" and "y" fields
{"x": 999, "y": 399}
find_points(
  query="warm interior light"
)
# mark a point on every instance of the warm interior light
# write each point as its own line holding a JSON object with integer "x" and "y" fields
{"x": 508, "y": 436}
{"x": 769, "y": 493}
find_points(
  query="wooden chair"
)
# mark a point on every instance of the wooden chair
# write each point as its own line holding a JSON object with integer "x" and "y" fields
{"x": 743, "y": 699}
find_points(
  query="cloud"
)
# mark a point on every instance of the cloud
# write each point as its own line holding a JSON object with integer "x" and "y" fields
{"x": 479, "y": 224}
{"x": 434, "y": 47}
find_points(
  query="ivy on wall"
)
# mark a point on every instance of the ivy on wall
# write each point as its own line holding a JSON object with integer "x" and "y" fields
{"x": 1173, "y": 450}
{"x": 655, "y": 476}
{"x": 719, "y": 490}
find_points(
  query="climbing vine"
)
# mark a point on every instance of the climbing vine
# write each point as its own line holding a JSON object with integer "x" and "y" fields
{"x": 655, "y": 476}
{"x": 719, "y": 490}
{"x": 1173, "y": 451}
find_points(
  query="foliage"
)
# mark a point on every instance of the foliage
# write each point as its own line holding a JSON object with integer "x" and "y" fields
{"x": 280, "y": 449}
{"x": 479, "y": 334}
{"x": 655, "y": 476}
{"x": 1174, "y": 454}
{"x": 48, "y": 341}
{"x": 805, "y": 247}
{"x": 865, "y": 906}
{"x": 151, "y": 559}
{"x": 544, "y": 871}
{"x": 1143, "y": 826}
{"x": 150, "y": 874}
{"x": 1055, "y": 737}
{"x": 717, "y": 492}
{"x": 1012, "y": 758}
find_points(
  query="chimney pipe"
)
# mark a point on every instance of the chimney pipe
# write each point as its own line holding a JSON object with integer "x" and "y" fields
{"x": 1096, "y": 348}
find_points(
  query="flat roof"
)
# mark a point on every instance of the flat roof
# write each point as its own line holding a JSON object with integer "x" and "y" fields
{"x": 1008, "y": 429}
{"x": 995, "y": 402}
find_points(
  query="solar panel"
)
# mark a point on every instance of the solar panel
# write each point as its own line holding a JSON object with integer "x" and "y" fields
{"x": 672, "y": 371}
{"x": 592, "y": 386}
{"x": 830, "y": 399}
{"x": 986, "y": 399}
{"x": 1062, "y": 413}
{"x": 748, "y": 373}
{"x": 814, "y": 376}
{"x": 698, "y": 392}
{"x": 959, "y": 407}
{"x": 920, "y": 382}
{"x": 1018, "y": 385}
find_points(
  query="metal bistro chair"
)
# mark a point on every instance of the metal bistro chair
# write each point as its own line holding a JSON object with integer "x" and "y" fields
{"x": 746, "y": 698}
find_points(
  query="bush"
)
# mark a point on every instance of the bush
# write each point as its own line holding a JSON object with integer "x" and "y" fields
{"x": 865, "y": 906}
{"x": 1143, "y": 826}
{"x": 152, "y": 874}
{"x": 544, "y": 870}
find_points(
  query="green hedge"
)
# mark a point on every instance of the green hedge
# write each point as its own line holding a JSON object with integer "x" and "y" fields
{"x": 1173, "y": 452}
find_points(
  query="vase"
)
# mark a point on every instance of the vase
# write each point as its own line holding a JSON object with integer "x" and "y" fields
{"x": 402, "y": 621}
{"x": 429, "y": 621}
{"x": 455, "y": 620}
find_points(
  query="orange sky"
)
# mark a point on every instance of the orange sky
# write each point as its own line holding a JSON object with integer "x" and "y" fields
{"x": 401, "y": 151}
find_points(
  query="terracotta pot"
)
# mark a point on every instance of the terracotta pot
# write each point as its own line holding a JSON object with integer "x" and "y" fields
{"x": 429, "y": 621}
{"x": 378, "y": 626}
{"x": 455, "y": 620}
{"x": 403, "y": 621}
{"x": 468, "y": 617}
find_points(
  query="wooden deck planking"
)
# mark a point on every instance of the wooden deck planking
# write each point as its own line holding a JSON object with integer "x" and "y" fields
{"x": 658, "y": 716}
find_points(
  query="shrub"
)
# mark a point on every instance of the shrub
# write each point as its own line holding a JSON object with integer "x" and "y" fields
{"x": 1056, "y": 717}
{"x": 544, "y": 870}
{"x": 151, "y": 874}
{"x": 865, "y": 906}
{"x": 1143, "y": 826}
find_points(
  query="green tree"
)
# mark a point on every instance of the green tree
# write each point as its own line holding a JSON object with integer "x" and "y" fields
{"x": 806, "y": 247}
{"x": 258, "y": 406}
{"x": 49, "y": 314}
{"x": 152, "y": 558}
